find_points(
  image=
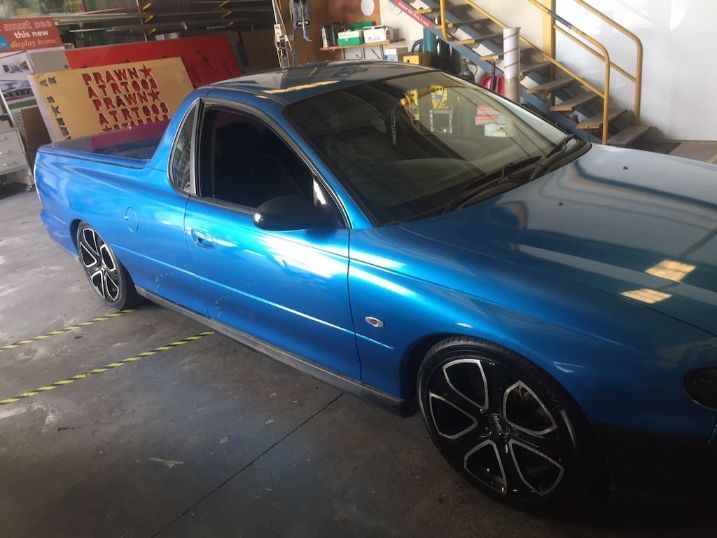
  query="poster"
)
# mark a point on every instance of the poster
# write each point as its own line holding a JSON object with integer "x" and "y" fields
{"x": 84, "y": 102}
{"x": 14, "y": 86}
{"x": 14, "y": 69}
{"x": 207, "y": 59}
{"x": 28, "y": 34}
{"x": 37, "y": 8}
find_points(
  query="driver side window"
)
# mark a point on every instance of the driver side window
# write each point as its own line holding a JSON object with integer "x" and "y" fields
{"x": 243, "y": 162}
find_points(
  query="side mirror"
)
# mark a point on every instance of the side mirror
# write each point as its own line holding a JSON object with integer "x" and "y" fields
{"x": 291, "y": 213}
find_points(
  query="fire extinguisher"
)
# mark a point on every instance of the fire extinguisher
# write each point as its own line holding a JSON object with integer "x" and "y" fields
{"x": 494, "y": 82}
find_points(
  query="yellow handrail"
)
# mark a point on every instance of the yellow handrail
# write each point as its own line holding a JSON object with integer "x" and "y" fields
{"x": 605, "y": 57}
{"x": 637, "y": 78}
{"x": 444, "y": 23}
{"x": 557, "y": 64}
{"x": 604, "y": 94}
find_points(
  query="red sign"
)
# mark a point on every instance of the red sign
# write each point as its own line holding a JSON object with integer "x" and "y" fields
{"x": 28, "y": 34}
{"x": 414, "y": 14}
{"x": 207, "y": 59}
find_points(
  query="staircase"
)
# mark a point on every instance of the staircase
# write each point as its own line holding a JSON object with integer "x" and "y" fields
{"x": 550, "y": 88}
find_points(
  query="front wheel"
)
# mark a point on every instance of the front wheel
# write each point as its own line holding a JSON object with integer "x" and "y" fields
{"x": 108, "y": 276}
{"x": 506, "y": 426}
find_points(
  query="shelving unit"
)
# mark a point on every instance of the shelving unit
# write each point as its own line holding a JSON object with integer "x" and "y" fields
{"x": 14, "y": 164}
{"x": 380, "y": 44}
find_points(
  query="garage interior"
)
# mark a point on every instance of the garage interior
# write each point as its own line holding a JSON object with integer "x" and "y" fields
{"x": 145, "y": 423}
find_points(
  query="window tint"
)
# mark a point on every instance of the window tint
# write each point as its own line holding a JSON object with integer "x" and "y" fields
{"x": 181, "y": 168}
{"x": 407, "y": 147}
{"x": 244, "y": 162}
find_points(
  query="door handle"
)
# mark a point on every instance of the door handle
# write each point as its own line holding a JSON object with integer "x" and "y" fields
{"x": 202, "y": 239}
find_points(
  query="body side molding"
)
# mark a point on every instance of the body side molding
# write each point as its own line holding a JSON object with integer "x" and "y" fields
{"x": 379, "y": 398}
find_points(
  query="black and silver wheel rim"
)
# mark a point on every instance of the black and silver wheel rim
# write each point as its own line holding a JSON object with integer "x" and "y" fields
{"x": 100, "y": 265}
{"x": 494, "y": 427}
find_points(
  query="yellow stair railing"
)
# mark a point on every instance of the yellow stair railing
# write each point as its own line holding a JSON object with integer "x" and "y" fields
{"x": 575, "y": 34}
{"x": 640, "y": 53}
{"x": 605, "y": 57}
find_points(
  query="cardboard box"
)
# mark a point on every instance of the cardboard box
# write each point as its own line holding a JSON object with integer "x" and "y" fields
{"x": 350, "y": 38}
{"x": 36, "y": 133}
{"x": 419, "y": 58}
{"x": 394, "y": 54}
{"x": 377, "y": 34}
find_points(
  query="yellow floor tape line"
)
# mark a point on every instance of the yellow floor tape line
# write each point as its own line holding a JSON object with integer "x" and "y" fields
{"x": 106, "y": 368}
{"x": 67, "y": 329}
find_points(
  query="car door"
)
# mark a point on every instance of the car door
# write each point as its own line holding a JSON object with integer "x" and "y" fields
{"x": 287, "y": 288}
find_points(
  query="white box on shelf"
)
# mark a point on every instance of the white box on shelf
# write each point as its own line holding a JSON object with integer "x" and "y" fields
{"x": 377, "y": 34}
{"x": 393, "y": 54}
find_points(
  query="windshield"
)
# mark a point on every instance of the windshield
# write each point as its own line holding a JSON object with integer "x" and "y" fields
{"x": 409, "y": 146}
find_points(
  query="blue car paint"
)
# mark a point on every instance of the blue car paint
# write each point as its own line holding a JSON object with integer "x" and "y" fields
{"x": 519, "y": 269}
{"x": 277, "y": 285}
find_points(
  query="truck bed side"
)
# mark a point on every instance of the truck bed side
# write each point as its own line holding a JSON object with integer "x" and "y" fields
{"x": 84, "y": 179}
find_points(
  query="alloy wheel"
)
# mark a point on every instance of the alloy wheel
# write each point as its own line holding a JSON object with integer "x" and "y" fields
{"x": 495, "y": 428}
{"x": 99, "y": 263}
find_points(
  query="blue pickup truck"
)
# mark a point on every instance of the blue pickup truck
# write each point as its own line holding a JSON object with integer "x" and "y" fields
{"x": 548, "y": 305}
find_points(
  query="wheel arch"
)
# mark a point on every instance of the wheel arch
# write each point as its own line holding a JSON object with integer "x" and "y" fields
{"x": 416, "y": 354}
{"x": 582, "y": 429}
{"x": 126, "y": 293}
{"x": 74, "y": 226}
{"x": 413, "y": 358}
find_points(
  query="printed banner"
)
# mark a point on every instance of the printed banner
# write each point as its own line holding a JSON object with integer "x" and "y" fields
{"x": 84, "y": 102}
{"x": 28, "y": 34}
{"x": 207, "y": 59}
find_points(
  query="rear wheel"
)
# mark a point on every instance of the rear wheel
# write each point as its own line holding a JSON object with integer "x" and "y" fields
{"x": 108, "y": 276}
{"x": 506, "y": 426}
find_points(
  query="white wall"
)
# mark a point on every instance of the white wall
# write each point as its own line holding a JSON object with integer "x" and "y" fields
{"x": 680, "y": 38}
{"x": 514, "y": 12}
{"x": 408, "y": 29}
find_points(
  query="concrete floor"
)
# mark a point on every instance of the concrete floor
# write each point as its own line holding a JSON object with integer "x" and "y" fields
{"x": 213, "y": 439}
{"x": 699, "y": 150}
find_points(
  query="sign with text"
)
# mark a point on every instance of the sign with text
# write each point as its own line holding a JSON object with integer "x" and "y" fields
{"x": 84, "y": 102}
{"x": 28, "y": 34}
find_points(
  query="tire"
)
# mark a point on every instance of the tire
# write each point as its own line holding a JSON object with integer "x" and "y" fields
{"x": 507, "y": 427}
{"x": 106, "y": 274}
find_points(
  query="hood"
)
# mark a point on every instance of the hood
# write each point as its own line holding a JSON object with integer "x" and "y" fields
{"x": 637, "y": 225}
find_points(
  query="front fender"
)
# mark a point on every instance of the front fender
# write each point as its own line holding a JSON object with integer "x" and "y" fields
{"x": 623, "y": 364}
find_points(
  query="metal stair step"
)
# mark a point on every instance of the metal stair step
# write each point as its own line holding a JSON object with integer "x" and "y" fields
{"x": 469, "y": 22}
{"x": 574, "y": 102}
{"x": 628, "y": 135}
{"x": 553, "y": 85}
{"x": 532, "y": 68}
{"x": 497, "y": 56}
{"x": 495, "y": 35}
{"x": 595, "y": 123}
{"x": 478, "y": 39}
{"x": 455, "y": 15}
{"x": 461, "y": 16}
